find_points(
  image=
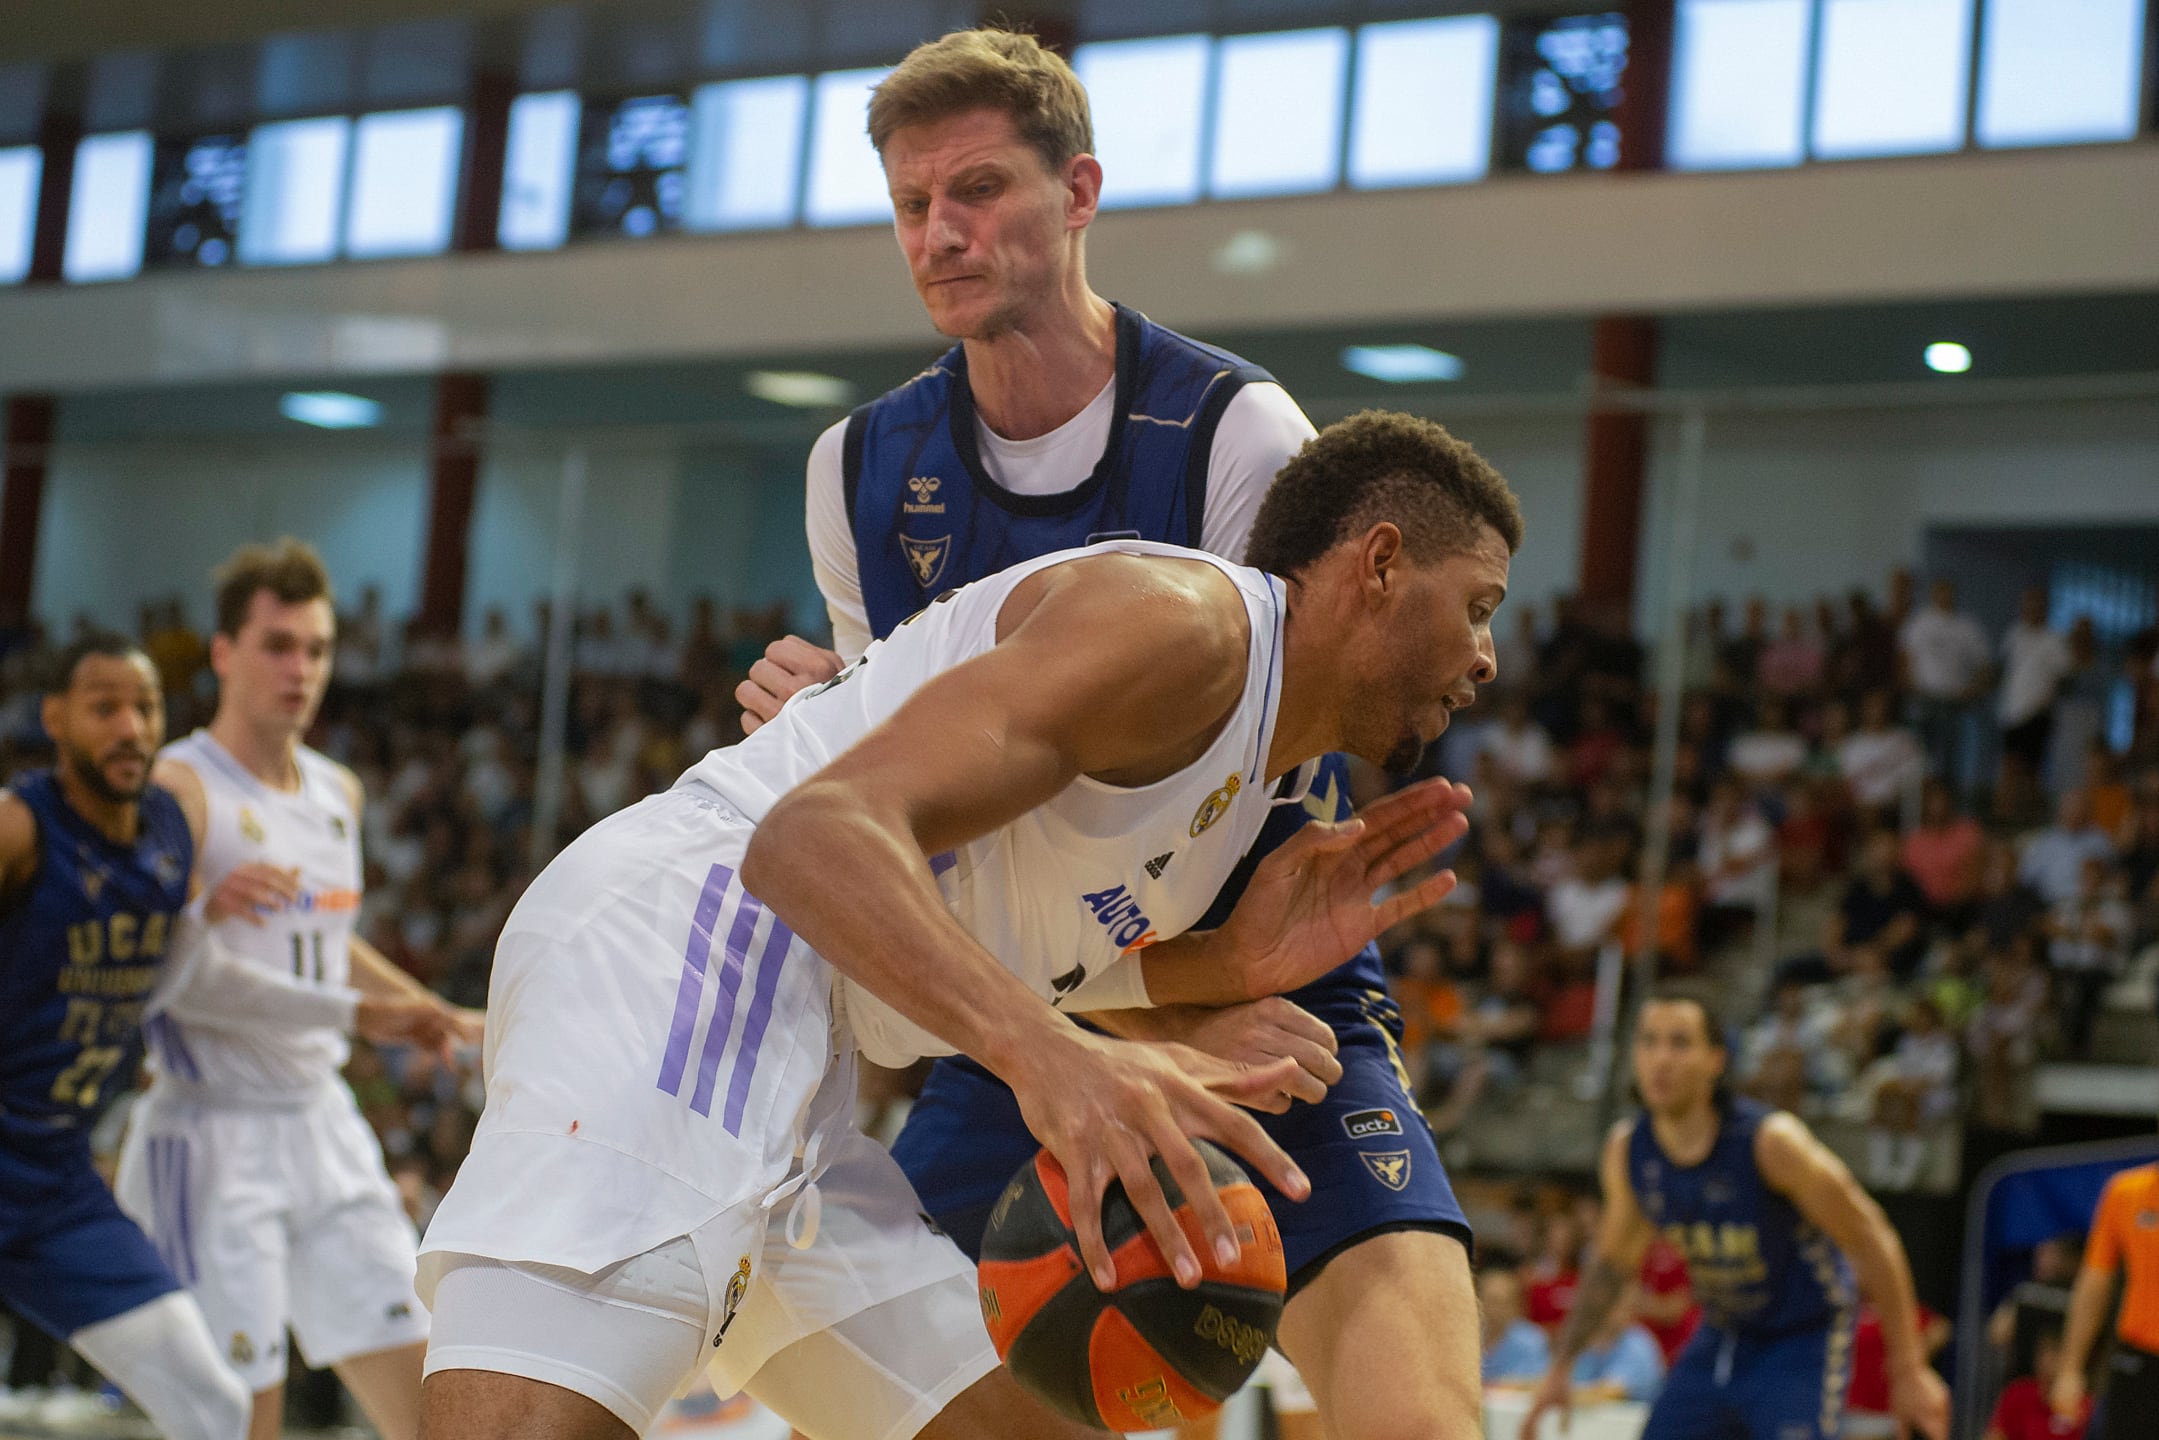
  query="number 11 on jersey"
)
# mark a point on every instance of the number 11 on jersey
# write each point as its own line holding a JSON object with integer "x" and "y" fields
{"x": 302, "y": 946}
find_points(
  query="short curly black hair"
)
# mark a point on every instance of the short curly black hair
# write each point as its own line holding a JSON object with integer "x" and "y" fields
{"x": 1381, "y": 465}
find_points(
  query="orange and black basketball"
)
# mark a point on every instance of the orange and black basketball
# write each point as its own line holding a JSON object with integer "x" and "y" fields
{"x": 1152, "y": 1354}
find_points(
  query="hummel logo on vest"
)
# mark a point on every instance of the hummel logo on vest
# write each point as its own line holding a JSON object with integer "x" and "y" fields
{"x": 1156, "y": 866}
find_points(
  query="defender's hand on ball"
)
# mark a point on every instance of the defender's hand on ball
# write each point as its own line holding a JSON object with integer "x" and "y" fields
{"x": 1104, "y": 1108}
{"x": 1309, "y": 906}
{"x": 790, "y": 663}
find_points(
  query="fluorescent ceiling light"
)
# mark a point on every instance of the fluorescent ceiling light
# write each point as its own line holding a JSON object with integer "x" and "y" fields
{"x": 799, "y": 387}
{"x": 1402, "y": 364}
{"x": 1947, "y": 357}
{"x": 330, "y": 409}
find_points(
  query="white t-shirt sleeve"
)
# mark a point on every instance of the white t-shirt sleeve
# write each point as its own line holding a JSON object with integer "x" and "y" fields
{"x": 1261, "y": 428}
{"x": 832, "y": 544}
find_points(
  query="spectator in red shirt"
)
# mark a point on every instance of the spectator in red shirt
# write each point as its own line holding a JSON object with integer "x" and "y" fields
{"x": 1553, "y": 1274}
{"x": 2023, "y": 1412}
{"x": 1942, "y": 854}
{"x": 1665, "y": 1304}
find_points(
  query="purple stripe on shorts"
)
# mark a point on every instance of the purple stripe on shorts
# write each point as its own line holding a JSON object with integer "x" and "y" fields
{"x": 692, "y": 988}
{"x": 769, "y": 966}
{"x": 723, "y": 1009}
{"x": 942, "y": 861}
{"x": 187, "y": 1236}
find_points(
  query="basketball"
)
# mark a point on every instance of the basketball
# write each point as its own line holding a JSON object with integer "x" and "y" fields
{"x": 1152, "y": 1354}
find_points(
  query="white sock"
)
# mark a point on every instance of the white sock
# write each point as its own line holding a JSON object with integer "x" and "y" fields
{"x": 162, "y": 1356}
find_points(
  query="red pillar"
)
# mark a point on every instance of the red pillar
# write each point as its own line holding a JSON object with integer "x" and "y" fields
{"x": 28, "y": 433}
{"x": 453, "y": 483}
{"x": 1623, "y": 348}
{"x": 57, "y": 138}
{"x": 487, "y": 144}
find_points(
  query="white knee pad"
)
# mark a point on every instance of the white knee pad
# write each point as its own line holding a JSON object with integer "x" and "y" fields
{"x": 162, "y": 1356}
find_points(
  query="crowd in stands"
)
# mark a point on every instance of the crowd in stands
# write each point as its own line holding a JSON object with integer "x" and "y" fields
{"x": 1984, "y": 860}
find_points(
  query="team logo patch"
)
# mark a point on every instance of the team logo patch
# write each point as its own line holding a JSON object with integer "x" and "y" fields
{"x": 337, "y": 826}
{"x": 1156, "y": 866}
{"x": 927, "y": 557}
{"x": 1389, "y": 1167}
{"x": 250, "y": 826}
{"x": 166, "y": 867}
{"x": 1215, "y": 806}
{"x": 737, "y": 1286}
{"x": 242, "y": 1349}
{"x": 1364, "y": 1124}
{"x": 93, "y": 884}
{"x": 398, "y": 1311}
{"x": 2148, "y": 1219}
{"x": 924, "y": 488}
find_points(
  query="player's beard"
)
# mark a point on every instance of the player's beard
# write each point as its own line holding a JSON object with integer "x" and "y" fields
{"x": 92, "y": 775}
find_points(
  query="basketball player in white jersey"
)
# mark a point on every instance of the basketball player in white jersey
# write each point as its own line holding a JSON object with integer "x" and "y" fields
{"x": 286, "y": 1211}
{"x": 937, "y": 851}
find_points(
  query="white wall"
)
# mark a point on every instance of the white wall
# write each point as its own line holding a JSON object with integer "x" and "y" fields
{"x": 126, "y": 523}
{"x": 1794, "y": 506}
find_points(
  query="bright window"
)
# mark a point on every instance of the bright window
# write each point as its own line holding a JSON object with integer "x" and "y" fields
{"x": 2057, "y": 72}
{"x": 1423, "y": 109}
{"x": 1278, "y": 113}
{"x": 1891, "y": 77}
{"x": 536, "y": 170}
{"x": 20, "y": 168}
{"x": 847, "y": 181}
{"x": 1149, "y": 101}
{"x": 1739, "y": 70}
{"x": 107, "y": 207}
{"x": 295, "y": 178}
{"x": 404, "y": 182}
{"x": 746, "y": 153}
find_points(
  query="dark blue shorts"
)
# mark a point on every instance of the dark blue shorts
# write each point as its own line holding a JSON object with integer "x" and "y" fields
{"x": 1365, "y": 1148}
{"x": 68, "y": 1257}
{"x": 1727, "y": 1386}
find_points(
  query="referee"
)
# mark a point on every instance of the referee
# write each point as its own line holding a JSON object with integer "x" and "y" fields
{"x": 2125, "y": 1235}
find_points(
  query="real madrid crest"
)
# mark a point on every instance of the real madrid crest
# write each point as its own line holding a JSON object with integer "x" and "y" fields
{"x": 1215, "y": 806}
{"x": 738, "y": 1285}
{"x": 250, "y": 826}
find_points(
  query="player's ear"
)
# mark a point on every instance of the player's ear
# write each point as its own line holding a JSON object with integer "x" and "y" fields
{"x": 1381, "y": 556}
{"x": 1083, "y": 191}
{"x": 49, "y": 711}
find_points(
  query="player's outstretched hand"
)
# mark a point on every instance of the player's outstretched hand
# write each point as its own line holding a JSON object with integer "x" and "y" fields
{"x": 1105, "y": 1108}
{"x": 251, "y": 891}
{"x": 405, "y": 1020}
{"x": 1256, "y": 1036}
{"x": 1920, "y": 1402}
{"x": 790, "y": 663}
{"x": 1309, "y": 906}
{"x": 1554, "y": 1395}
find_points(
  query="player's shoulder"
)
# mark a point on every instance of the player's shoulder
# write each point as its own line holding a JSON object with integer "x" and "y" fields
{"x": 337, "y": 773}
{"x": 1142, "y": 605}
{"x": 18, "y": 837}
{"x": 1619, "y": 1139}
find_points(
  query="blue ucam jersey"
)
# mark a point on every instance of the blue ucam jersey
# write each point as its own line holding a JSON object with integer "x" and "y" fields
{"x": 1757, "y": 1266}
{"x": 80, "y": 951}
{"x": 927, "y": 518}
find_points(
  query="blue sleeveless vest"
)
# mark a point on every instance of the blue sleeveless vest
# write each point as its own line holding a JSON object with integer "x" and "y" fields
{"x": 1757, "y": 1265}
{"x": 928, "y": 518}
{"x": 80, "y": 951}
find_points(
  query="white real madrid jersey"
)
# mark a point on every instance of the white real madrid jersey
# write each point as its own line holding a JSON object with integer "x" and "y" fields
{"x": 315, "y": 830}
{"x": 1062, "y": 894}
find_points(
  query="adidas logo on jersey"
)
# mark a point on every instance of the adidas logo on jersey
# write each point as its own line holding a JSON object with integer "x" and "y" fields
{"x": 1156, "y": 866}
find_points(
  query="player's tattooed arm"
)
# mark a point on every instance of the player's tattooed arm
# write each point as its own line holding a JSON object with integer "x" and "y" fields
{"x": 1599, "y": 1293}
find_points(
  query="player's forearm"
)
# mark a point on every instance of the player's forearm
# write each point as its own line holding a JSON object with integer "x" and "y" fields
{"x": 207, "y": 985}
{"x": 1595, "y": 1298}
{"x": 375, "y": 974}
{"x": 857, "y": 889}
{"x": 1885, "y": 1276}
{"x": 1190, "y": 969}
{"x": 2087, "y": 1312}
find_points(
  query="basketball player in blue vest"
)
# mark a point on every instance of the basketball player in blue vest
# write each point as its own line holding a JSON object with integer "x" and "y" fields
{"x": 1058, "y": 420}
{"x": 1772, "y": 1226}
{"x": 95, "y": 866}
